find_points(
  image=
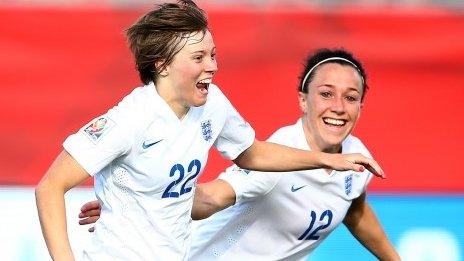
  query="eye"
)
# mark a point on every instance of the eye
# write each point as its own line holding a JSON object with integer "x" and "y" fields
{"x": 213, "y": 56}
{"x": 352, "y": 98}
{"x": 197, "y": 58}
{"x": 326, "y": 94}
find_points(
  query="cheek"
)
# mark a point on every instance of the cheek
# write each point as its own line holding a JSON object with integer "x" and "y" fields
{"x": 186, "y": 70}
{"x": 354, "y": 112}
{"x": 316, "y": 106}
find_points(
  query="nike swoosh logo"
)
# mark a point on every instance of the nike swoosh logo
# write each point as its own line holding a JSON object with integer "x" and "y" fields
{"x": 297, "y": 188}
{"x": 148, "y": 145}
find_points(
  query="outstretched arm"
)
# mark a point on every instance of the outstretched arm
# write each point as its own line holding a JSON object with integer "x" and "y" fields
{"x": 63, "y": 174}
{"x": 268, "y": 156}
{"x": 364, "y": 226}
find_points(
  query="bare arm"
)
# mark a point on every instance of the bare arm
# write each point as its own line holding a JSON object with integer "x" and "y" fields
{"x": 63, "y": 174}
{"x": 209, "y": 198}
{"x": 267, "y": 156}
{"x": 212, "y": 197}
{"x": 363, "y": 224}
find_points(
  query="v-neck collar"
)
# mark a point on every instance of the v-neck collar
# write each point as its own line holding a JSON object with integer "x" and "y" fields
{"x": 166, "y": 109}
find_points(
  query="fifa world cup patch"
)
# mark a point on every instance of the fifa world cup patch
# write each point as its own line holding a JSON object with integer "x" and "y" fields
{"x": 238, "y": 169}
{"x": 98, "y": 127}
{"x": 206, "y": 130}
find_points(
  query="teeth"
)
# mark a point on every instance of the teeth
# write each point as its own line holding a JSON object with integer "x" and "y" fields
{"x": 205, "y": 81}
{"x": 334, "y": 121}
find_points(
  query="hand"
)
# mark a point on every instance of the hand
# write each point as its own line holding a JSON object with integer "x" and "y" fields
{"x": 90, "y": 213}
{"x": 356, "y": 162}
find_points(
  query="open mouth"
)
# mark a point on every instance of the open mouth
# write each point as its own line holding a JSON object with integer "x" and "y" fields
{"x": 334, "y": 122}
{"x": 203, "y": 85}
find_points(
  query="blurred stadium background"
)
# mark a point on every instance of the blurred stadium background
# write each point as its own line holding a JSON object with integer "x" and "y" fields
{"x": 64, "y": 62}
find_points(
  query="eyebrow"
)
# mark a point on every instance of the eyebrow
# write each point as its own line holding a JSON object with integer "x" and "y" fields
{"x": 332, "y": 86}
{"x": 203, "y": 51}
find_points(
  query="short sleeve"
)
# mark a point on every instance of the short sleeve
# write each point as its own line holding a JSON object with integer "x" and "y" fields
{"x": 236, "y": 135}
{"x": 247, "y": 184}
{"x": 101, "y": 141}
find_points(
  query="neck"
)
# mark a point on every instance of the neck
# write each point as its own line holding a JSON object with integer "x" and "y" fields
{"x": 172, "y": 100}
{"x": 314, "y": 145}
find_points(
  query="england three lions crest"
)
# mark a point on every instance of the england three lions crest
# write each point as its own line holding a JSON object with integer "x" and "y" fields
{"x": 206, "y": 130}
{"x": 348, "y": 184}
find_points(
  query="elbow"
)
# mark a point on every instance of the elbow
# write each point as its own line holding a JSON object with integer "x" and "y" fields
{"x": 251, "y": 158}
{"x": 196, "y": 216}
{"x": 41, "y": 190}
{"x": 206, "y": 208}
{"x": 46, "y": 189}
{"x": 205, "y": 204}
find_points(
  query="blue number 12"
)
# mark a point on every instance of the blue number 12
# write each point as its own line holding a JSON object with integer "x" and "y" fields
{"x": 312, "y": 235}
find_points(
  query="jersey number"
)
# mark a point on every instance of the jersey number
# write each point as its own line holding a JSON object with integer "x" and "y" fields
{"x": 178, "y": 168}
{"x": 310, "y": 234}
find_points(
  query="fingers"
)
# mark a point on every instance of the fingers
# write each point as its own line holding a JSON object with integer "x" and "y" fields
{"x": 90, "y": 206}
{"x": 373, "y": 167}
{"x": 89, "y": 220}
{"x": 358, "y": 167}
{"x": 361, "y": 163}
{"x": 90, "y": 213}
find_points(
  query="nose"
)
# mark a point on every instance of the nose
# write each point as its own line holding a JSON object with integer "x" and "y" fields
{"x": 211, "y": 66}
{"x": 338, "y": 105}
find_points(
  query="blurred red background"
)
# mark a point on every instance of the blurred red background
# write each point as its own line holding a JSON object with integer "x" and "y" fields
{"x": 61, "y": 67}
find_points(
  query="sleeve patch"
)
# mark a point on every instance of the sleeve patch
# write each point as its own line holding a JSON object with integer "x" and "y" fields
{"x": 238, "y": 169}
{"x": 96, "y": 129}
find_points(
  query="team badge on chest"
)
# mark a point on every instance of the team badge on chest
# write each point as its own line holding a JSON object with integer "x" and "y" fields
{"x": 348, "y": 184}
{"x": 206, "y": 130}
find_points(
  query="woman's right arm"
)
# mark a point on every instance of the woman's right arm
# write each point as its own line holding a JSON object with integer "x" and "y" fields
{"x": 64, "y": 174}
{"x": 209, "y": 198}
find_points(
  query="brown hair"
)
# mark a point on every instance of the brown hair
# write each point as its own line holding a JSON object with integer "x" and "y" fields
{"x": 322, "y": 54}
{"x": 158, "y": 35}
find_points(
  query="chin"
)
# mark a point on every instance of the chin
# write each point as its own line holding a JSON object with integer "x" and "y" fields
{"x": 334, "y": 142}
{"x": 199, "y": 102}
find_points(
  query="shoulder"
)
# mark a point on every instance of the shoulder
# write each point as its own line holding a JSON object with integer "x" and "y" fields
{"x": 136, "y": 109}
{"x": 286, "y": 135}
{"x": 215, "y": 95}
{"x": 137, "y": 99}
{"x": 281, "y": 133}
{"x": 353, "y": 144}
{"x": 214, "y": 89}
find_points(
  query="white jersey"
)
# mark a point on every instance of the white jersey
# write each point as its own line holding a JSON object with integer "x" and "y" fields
{"x": 279, "y": 216}
{"x": 146, "y": 162}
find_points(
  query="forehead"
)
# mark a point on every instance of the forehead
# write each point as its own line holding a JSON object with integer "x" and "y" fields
{"x": 338, "y": 75}
{"x": 200, "y": 40}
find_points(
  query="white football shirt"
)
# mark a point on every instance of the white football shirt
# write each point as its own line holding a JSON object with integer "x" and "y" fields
{"x": 145, "y": 162}
{"x": 279, "y": 216}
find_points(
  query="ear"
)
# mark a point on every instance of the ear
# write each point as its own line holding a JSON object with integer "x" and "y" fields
{"x": 164, "y": 71}
{"x": 360, "y": 110}
{"x": 302, "y": 101}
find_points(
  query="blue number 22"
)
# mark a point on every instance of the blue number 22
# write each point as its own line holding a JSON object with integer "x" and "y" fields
{"x": 184, "y": 188}
{"x": 312, "y": 235}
